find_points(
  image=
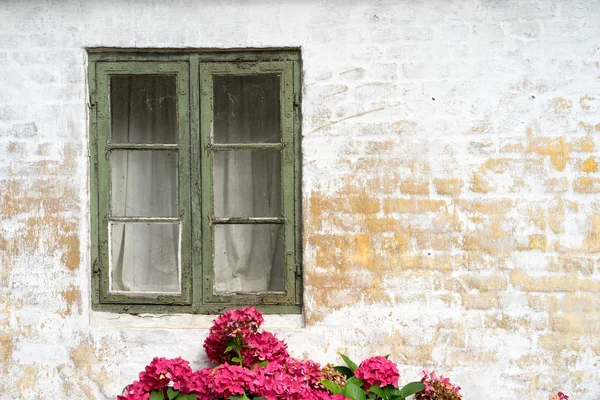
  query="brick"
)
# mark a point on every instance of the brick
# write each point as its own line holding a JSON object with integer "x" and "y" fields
{"x": 413, "y": 206}
{"x": 480, "y": 301}
{"x": 414, "y": 186}
{"x": 564, "y": 283}
{"x": 448, "y": 187}
{"x": 479, "y": 184}
{"x": 586, "y": 185}
{"x": 556, "y": 185}
{"x": 585, "y": 144}
{"x": 575, "y": 322}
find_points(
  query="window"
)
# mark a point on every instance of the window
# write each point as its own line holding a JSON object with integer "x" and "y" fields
{"x": 195, "y": 177}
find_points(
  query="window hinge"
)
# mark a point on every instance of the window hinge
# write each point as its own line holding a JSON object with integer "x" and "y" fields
{"x": 93, "y": 101}
{"x": 95, "y": 267}
{"x": 298, "y": 269}
{"x": 296, "y": 100}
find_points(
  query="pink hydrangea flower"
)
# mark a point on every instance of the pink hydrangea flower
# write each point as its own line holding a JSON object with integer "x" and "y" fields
{"x": 198, "y": 384}
{"x": 233, "y": 323}
{"x": 305, "y": 371}
{"x": 160, "y": 373}
{"x": 436, "y": 386}
{"x": 229, "y": 380}
{"x": 377, "y": 371}
{"x": 264, "y": 346}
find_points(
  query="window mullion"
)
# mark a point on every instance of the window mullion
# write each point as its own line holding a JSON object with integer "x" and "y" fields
{"x": 206, "y": 164}
{"x": 197, "y": 191}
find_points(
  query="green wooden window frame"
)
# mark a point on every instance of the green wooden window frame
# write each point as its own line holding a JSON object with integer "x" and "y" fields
{"x": 194, "y": 72}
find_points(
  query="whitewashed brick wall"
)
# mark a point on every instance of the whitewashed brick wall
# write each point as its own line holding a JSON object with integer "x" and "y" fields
{"x": 451, "y": 189}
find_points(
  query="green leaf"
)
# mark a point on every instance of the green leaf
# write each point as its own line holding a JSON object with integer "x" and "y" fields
{"x": 172, "y": 393}
{"x": 263, "y": 364}
{"x": 332, "y": 387}
{"x": 234, "y": 397}
{"x": 391, "y": 391}
{"x": 157, "y": 395}
{"x": 378, "y": 391}
{"x": 410, "y": 389}
{"x": 347, "y": 372}
{"x": 260, "y": 398}
{"x": 236, "y": 359}
{"x": 229, "y": 348}
{"x": 354, "y": 380}
{"x": 349, "y": 362}
{"x": 354, "y": 391}
{"x": 189, "y": 396}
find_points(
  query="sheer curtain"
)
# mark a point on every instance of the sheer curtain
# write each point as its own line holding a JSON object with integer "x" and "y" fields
{"x": 144, "y": 256}
{"x": 247, "y": 183}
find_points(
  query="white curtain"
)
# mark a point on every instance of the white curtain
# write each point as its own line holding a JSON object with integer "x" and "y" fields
{"x": 248, "y": 258}
{"x": 145, "y": 256}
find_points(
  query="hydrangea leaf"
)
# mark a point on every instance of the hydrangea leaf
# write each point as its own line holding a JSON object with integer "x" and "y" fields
{"x": 172, "y": 393}
{"x": 332, "y": 387}
{"x": 391, "y": 391}
{"x": 353, "y": 391}
{"x": 157, "y": 395}
{"x": 354, "y": 380}
{"x": 349, "y": 362}
{"x": 410, "y": 389}
{"x": 186, "y": 397}
{"x": 378, "y": 391}
{"x": 347, "y": 372}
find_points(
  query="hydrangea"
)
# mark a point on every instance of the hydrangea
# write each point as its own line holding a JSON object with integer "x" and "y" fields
{"x": 161, "y": 372}
{"x": 307, "y": 372}
{"x": 438, "y": 388}
{"x": 559, "y": 396}
{"x": 233, "y": 323}
{"x": 377, "y": 371}
{"x": 272, "y": 382}
{"x": 264, "y": 346}
{"x": 229, "y": 380}
{"x": 198, "y": 384}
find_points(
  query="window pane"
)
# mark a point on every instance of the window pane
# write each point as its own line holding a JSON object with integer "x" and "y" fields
{"x": 248, "y": 258}
{"x": 143, "y": 109}
{"x": 246, "y": 109}
{"x": 143, "y": 183}
{"x": 144, "y": 258}
{"x": 247, "y": 183}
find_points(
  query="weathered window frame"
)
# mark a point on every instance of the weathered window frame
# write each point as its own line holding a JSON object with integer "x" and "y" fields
{"x": 194, "y": 70}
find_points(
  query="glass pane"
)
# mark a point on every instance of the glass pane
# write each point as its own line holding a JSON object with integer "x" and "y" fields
{"x": 144, "y": 258}
{"x": 246, "y": 109}
{"x": 247, "y": 183}
{"x": 143, "y": 109}
{"x": 248, "y": 258}
{"x": 143, "y": 183}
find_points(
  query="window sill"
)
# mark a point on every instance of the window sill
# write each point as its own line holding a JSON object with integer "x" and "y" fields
{"x": 107, "y": 320}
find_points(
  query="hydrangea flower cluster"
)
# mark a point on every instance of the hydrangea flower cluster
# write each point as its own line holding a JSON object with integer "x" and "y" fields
{"x": 242, "y": 323}
{"x": 255, "y": 364}
{"x": 559, "y": 396}
{"x": 159, "y": 374}
{"x": 377, "y": 371}
{"x": 438, "y": 388}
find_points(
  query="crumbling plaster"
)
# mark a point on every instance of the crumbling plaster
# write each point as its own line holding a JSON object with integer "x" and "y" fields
{"x": 451, "y": 191}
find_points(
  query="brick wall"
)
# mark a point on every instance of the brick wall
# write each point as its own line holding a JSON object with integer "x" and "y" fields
{"x": 450, "y": 183}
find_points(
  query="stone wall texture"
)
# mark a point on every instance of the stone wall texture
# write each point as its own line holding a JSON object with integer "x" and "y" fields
{"x": 451, "y": 189}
